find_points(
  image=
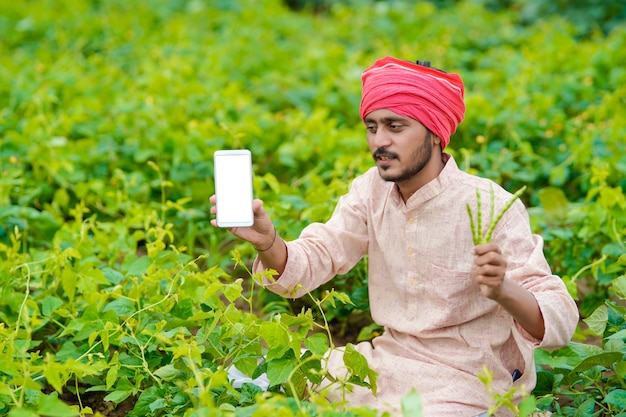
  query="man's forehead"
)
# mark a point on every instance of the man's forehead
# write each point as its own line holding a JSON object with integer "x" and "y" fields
{"x": 384, "y": 115}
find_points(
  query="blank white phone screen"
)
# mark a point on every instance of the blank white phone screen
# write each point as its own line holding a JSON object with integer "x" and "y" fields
{"x": 233, "y": 188}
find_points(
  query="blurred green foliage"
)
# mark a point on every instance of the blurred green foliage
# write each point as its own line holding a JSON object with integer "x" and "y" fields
{"x": 110, "y": 112}
{"x": 587, "y": 16}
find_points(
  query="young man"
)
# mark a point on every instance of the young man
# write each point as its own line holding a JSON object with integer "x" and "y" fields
{"x": 448, "y": 307}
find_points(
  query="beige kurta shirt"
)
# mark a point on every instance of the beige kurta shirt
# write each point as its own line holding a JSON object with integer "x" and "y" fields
{"x": 439, "y": 329}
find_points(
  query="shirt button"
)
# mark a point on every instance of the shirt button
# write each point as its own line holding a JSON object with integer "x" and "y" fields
{"x": 410, "y": 251}
{"x": 411, "y": 220}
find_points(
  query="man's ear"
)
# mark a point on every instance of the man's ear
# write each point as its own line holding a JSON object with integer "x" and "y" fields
{"x": 436, "y": 140}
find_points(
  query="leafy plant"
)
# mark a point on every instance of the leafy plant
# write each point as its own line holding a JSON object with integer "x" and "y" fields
{"x": 526, "y": 407}
{"x": 112, "y": 280}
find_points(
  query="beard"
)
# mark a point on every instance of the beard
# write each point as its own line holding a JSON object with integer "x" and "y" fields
{"x": 420, "y": 158}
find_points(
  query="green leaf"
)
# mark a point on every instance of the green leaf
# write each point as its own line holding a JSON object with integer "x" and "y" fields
{"x": 558, "y": 358}
{"x": 369, "y": 332}
{"x": 617, "y": 398}
{"x": 248, "y": 393}
{"x": 111, "y": 377}
{"x": 140, "y": 266}
{"x": 545, "y": 383}
{"x": 169, "y": 372}
{"x": 278, "y": 370}
{"x": 597, "y": 320}
{"x": 70, "y": 350}
{"x": 92, "y": 277}
{"x": 158, "y": 404}
{"x": 586, "y": 408}
{"x": 246, "y": 363}
{"x": 605, "y": 360}
{"x": 113, "y": 276}
{"x": 412, "y": 404}
{"x": 49, "y": 305}
{"x": 183, "y": 309}
{"x": 355, "y": 362}
{"x": 233, "y": 291}
{"x": 52, "y": 406}
{"x": 273, "y": 334}
{"x": 22, "y": 412}
{"x": 123, "y": 307}
{"x": 68, "y": 282}
{"x": 554, "y": 201}
{"x": 620, "y": 368}
{"x": 53, "y": 373}
{"x": 272, "y": 182}
{"x": 117, "y": 396}
{"x": 621, "y": 335}
{"x": 528, "y": 406}
{"x": 147, "y": 397}
{"x": 311, "y": 368}
{"x": 619, "y": 284}
{"x": 333, "y": 295}
{"x": 584, "y": 350}
{"x": 317, "y": 343}
{"x": 260, "y": 370}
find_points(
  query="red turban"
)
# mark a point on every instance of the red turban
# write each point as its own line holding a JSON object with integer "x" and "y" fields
{"x": 432, "y": 97}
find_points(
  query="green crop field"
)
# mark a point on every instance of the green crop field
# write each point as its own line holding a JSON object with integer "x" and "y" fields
{"x": 118, "y": 297}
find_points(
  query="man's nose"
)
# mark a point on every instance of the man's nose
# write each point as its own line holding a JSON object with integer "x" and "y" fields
{"x": 381, "y": 138}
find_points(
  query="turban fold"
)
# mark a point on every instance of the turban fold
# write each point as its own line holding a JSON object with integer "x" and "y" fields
{"x": 432, "y": 97}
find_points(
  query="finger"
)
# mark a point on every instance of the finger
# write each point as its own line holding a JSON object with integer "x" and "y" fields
{"x": 486, "y": 248}
{"x": 491, "y": 284}
{"x": 212, "y": 199}
{"x": 490, "y": 281}
{"x": 490, "y": 271}
{"x": 257, "y": 205}
{"x": 486, "y": 260}
{"x": 490, "y": 258}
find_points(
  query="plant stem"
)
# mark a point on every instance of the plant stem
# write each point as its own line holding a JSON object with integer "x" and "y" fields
{"x": 508, "y": 205}
{"x": 476, "y": 226}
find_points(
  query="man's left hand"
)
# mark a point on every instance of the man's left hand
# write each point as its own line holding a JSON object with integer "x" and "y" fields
{"x": 489, "y": 269}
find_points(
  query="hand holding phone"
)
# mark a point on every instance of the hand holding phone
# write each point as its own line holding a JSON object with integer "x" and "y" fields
{"x": 233, "y": 188}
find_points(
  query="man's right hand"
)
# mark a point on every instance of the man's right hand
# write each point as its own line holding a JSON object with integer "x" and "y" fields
{"x": 260, "y": 234}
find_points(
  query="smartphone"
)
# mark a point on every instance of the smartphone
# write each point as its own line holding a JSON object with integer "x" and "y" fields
{"x": 233, "y": 187}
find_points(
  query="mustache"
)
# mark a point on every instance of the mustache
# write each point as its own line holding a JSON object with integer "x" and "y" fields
{"x": 383, "y": 152}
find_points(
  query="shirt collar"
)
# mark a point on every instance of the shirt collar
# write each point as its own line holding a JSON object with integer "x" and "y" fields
{"x": 435, "y": 187}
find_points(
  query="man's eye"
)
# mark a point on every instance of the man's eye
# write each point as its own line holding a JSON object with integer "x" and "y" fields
{"x": 395, "y": 126}
{"x": 371, "y": 128}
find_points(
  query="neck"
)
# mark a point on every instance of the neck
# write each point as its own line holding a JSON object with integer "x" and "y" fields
{"x": 427, "y": 174}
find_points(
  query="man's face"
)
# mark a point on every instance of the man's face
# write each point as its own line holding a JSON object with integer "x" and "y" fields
{"x": 401, "y": 146}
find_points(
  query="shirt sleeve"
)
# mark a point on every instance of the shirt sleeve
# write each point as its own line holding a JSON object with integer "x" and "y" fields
{"x": 324, "y": 250}
{"x": 526, "y": 265}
